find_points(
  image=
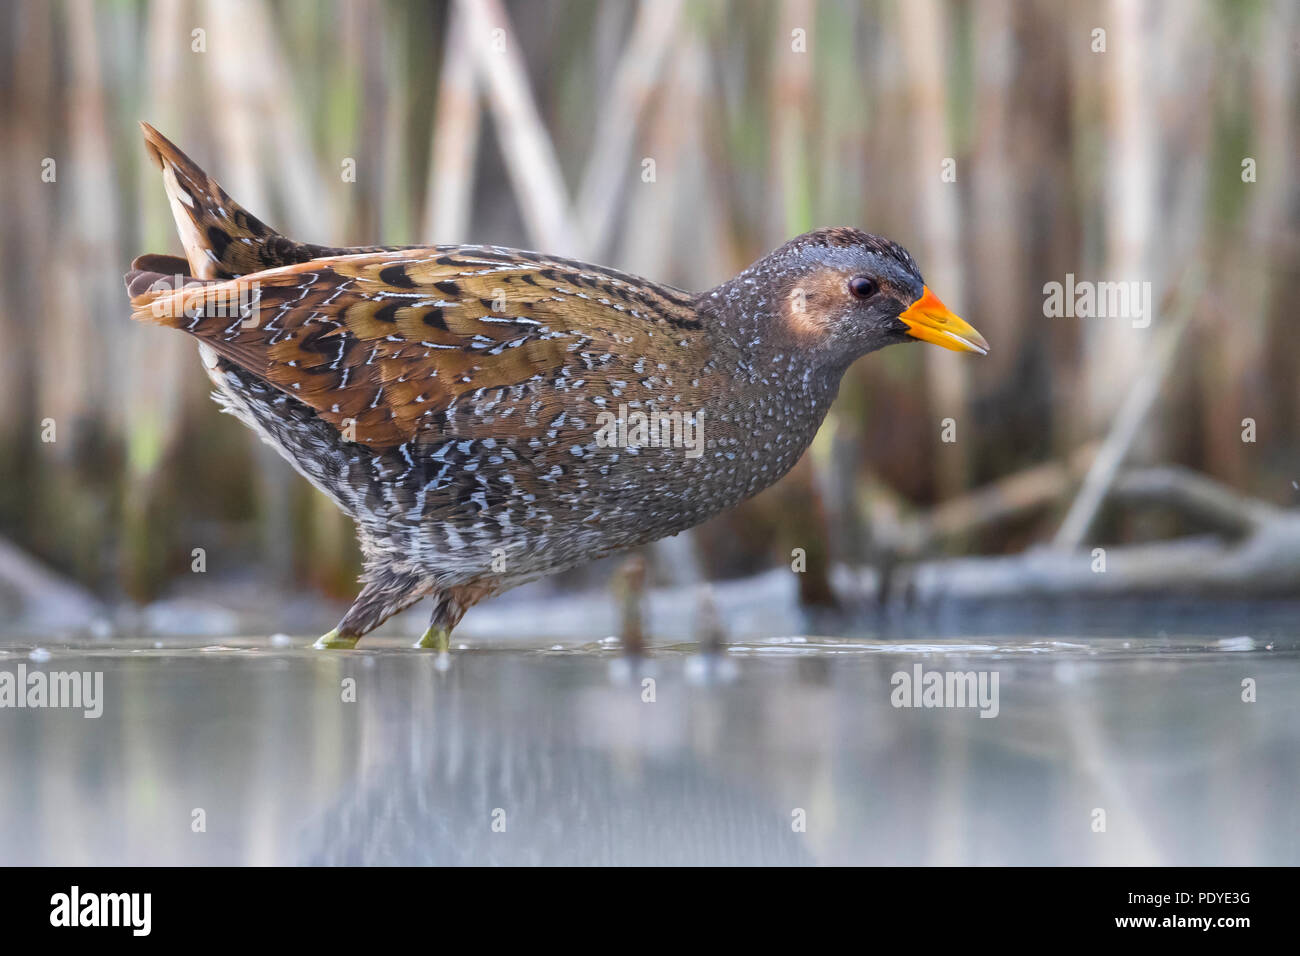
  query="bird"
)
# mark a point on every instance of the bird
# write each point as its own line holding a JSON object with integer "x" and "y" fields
{"x": 488, "y": 416}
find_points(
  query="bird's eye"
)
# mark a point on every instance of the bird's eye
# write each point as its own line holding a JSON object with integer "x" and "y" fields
{"x": 863, "y": 287}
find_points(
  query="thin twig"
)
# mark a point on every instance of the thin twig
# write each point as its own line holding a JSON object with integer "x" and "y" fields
{"x": 1196, "y": 496}
{"x": 455, "y": 140}
{"x": 638, "y": 73}
{"x": 526, "y": 147}
{"x": 1132, "y": 413}
{"x": 258, "y": 120}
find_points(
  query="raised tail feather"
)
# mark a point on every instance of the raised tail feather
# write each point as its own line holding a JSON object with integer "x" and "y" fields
{"x": 222, "y": 240}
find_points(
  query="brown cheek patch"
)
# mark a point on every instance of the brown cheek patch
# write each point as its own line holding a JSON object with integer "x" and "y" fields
{"x": 809, "y": 305}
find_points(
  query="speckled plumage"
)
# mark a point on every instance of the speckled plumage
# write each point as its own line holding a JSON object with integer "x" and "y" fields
{"x": 449, "y": 398}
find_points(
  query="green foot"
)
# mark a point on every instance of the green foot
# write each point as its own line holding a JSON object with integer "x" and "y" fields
{"x": 334, "y": 641}
{"x": 438, "y": 638}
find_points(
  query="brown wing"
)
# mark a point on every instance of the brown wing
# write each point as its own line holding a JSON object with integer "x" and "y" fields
{"x": 384, "y": 345}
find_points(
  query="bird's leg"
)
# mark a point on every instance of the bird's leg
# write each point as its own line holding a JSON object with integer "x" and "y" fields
{"x": 380, "y": 598}
{"x": 435, "y": 636}
{"x": 449, "y": 607}
{"x": 447, "y": 612}
{"x": 336, "y": 639}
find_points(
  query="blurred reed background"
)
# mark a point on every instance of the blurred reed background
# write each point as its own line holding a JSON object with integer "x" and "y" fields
{"x": 1116, "y": 165}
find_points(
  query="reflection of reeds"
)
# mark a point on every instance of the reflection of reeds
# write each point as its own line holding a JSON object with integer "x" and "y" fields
{"x": 1067, "y": 160}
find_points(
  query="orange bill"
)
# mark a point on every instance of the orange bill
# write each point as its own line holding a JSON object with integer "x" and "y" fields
{"x": 929, "y": 320}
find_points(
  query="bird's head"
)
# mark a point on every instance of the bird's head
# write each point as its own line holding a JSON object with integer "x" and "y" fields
{"x": 842, "y": 293}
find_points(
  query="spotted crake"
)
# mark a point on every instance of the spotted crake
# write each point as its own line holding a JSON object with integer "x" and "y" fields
{"x": 488, "y": 416}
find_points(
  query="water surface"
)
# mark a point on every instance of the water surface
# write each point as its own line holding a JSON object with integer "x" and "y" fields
{"x": 557, "y": 746}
